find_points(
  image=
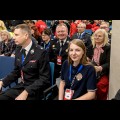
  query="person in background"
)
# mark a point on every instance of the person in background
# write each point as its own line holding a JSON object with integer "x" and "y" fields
{"x": 105, "y": 25}
{"x": 7, "y": 45}
{"x": 46, "y": 38}
{"x": 73, "y": 28}
{"x": 88, "y": 24}
{"x": 53, "y": 27}
{"x": 78, "y": 77}
{"x": 36, "y": 35}
{"x": 101, "y": 62}
{"x": 41, "y": 25}
{"x": 86, "y": 37}
{"x": 58, "y": 50}
{"x": 31, "y": 65}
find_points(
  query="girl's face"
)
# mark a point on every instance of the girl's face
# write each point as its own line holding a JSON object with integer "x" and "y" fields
{"x": 75, "y": 53}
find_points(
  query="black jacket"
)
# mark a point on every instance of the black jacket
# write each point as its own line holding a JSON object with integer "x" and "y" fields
{"x": 36, "y": 70}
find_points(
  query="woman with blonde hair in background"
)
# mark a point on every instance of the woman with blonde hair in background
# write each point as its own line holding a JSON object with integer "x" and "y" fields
{"x": 7, "y": 45}
{"x": 101, "y": 61}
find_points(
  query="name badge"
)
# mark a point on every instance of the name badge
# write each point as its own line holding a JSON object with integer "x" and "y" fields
{"x": 79, "y": 76}
{"x": 68, "y": 94}
{"x": 22, "y": 79}
{"x": 59, "y": 60}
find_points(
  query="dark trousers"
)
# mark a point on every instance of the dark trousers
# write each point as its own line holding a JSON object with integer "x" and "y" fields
{"x": 12, "y": 93}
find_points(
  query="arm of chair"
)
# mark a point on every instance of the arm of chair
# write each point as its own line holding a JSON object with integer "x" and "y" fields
{"x": 51, "y": 91}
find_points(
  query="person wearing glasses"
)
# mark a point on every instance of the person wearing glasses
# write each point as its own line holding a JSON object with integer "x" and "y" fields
{"x": 101, "y": 62}
{"x": 105, "y": 25}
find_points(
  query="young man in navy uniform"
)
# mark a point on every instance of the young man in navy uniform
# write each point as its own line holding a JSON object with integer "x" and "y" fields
{"x": 33, "y": 68}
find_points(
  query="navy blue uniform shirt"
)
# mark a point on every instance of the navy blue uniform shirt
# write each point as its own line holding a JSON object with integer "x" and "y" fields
{"x": 80, "y": 87}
